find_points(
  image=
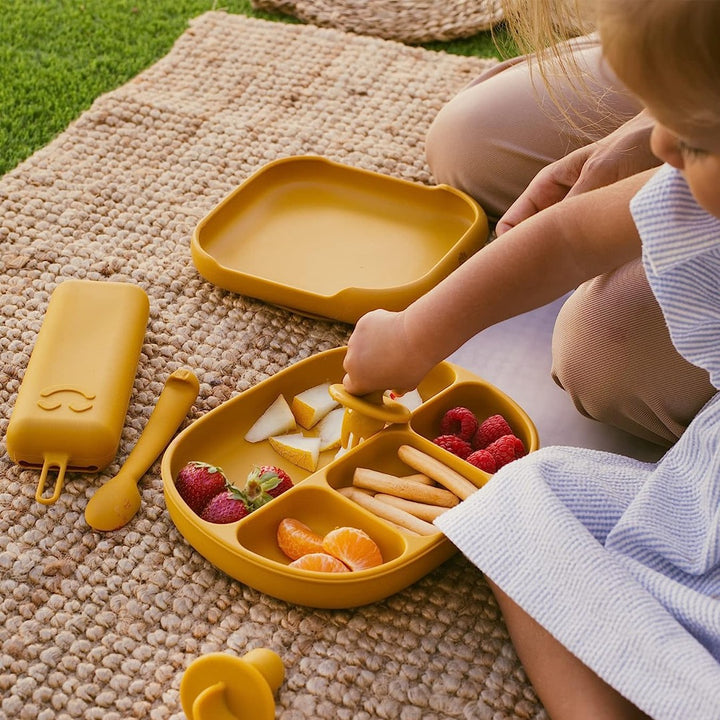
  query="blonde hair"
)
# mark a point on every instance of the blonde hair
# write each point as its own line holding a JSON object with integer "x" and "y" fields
{"x": 668, "y": 52}
{"x": 543, "y": 30}
{"x": 539, "y": 27}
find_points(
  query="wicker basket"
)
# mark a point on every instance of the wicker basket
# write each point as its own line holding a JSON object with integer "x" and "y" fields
{"x": 409, "y": 21}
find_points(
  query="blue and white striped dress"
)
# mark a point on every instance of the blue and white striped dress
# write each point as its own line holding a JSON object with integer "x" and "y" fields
{"x": 617, "y": 558}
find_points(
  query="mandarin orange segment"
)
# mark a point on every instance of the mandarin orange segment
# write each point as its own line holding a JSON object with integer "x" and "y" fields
{"x": 320, "y": 562}
{"x": 354, "y": 547}
{"x": 296, "y": 539}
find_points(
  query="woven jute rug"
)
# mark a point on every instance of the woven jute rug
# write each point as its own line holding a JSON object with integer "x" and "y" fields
{"x": 102, "y": 626}
{"x": 409, "y": 21}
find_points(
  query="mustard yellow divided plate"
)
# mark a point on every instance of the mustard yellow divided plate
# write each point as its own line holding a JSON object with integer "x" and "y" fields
{"x": 334, "y": 241}
{"x": 247, "y": 549}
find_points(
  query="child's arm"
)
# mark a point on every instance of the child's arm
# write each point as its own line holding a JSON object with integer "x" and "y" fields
{"x": 534, "y": 263}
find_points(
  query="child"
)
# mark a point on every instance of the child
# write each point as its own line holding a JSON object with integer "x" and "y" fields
{"x": 607, "y": 569}
{"x": 518, "y": 139}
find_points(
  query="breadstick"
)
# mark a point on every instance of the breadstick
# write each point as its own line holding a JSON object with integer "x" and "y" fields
{"x": 348, "y": 491}
{"x": 420, "y": 478}
{"x": 407, "y": 531}
{"x": 387, "y": 512}
{"x": 392, "y": 485}
{"x": 447, "y": 477}
{"x": 418, "y": 509}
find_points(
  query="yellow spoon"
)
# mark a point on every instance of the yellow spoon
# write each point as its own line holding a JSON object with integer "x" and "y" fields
{"x": 116, "y": 502}
{"x": 217, "y": 686}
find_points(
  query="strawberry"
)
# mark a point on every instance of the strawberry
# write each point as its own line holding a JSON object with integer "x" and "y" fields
{"x": 198, "y": 483}
{"x": 454, "y": 444}
{"x": 459, "y": 421}
{"x": 226, "y": 507}
{"x": 284, "y": 480}
{"x": 506, "y": 449}
{"x": 491, "y": 429}
{"x": 265, "y": 483}
{"x": 483, "y": 459}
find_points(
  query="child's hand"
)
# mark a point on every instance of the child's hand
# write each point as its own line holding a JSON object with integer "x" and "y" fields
{"x": 380, "y": 356}
{"x": 623, "y": 153}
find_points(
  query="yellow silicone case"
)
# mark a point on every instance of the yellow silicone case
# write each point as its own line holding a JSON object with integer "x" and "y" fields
{"x": 71, "y": 406}
{"x": 335, "y": 241}
{"x": 247, "y": 550}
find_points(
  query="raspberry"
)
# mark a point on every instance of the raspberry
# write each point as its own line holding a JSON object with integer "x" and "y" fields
{"x": 483, "y": 459}
{"x": 459, "y": 421}
{"x": 454, "y": 444}
{"x": 490, "y": 430}
{"x": 506, "y": 449}
{"x": 520, "y": 450}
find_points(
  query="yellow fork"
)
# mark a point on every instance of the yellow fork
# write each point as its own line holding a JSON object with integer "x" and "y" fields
{"x": 366, "y": 414}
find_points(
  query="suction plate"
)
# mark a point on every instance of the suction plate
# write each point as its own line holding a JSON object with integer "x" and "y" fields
{"x": 247, "y": 550}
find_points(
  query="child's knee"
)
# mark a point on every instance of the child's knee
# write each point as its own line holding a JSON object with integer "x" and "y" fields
{"x": 471, "y": 146}
{"x": 458, "y": 144}
{"x": 617, "y": 363}
{"x": 580, "y": 362}
{"x": 593, "y": 390}
{"x": 492, "y": 138}
{"x": 595, "y": 360}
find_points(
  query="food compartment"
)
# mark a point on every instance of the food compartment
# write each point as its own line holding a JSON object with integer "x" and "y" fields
{"x": 218, "y": 437}
{"x": 375, "y": 469}
{"x": 321, "y": 510}
{"x": 483, "y": 400}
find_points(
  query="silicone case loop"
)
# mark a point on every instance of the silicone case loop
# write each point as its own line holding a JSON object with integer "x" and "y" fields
{"x": 52, "y": 460}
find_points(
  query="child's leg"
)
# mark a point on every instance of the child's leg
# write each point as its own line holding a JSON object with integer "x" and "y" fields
{"x": 493, "y": 137}
{"x": 567, "y": 688}
{"x": 613, "y": 355}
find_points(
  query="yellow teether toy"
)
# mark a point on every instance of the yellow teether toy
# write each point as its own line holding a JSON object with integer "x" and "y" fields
{"x": 218, "y": 686}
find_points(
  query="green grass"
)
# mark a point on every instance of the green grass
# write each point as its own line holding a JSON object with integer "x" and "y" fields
{"x": 57, "y": 56}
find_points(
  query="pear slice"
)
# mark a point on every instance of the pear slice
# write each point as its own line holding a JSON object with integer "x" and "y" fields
{"x": 298, "y": 449}
{"x": 276, "y": 420}
{"x": 329, "y": 429}
{"x": 312, "y": 405}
